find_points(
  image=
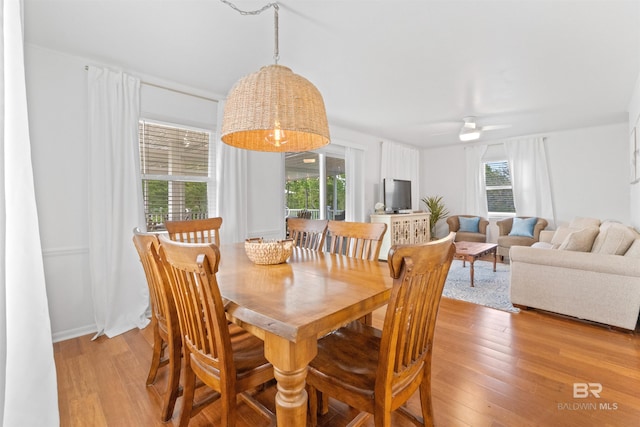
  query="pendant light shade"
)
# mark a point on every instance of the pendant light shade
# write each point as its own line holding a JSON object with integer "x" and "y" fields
{"x": 275, "y": 110}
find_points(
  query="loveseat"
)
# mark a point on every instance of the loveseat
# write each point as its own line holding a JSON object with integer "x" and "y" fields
{"x": 588, "y": 270}
{"x": 518, "y": 231}
{"x": 468, "y": 228}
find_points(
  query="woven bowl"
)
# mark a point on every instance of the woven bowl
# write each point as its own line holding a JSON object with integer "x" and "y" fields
{"x": 268, "y": 252}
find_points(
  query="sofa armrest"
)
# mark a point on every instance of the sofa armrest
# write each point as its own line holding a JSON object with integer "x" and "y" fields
{"x": 504, "y": 226}
{"x": 546, "y": 235}
{"x": 540, "y": 225}
{"x": 602, "y": 263}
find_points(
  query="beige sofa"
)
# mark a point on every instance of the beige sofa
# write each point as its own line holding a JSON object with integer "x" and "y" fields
{"x": 589, "y": 270}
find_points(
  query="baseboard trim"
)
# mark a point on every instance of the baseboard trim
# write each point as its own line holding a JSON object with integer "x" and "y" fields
{"x": 74, "y": 333}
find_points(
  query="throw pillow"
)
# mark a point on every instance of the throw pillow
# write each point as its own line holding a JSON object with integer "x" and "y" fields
{"x": 614, "y": 239}
{"x": 580, "y": 223}
{"x": 523, "y": 227}
{"x": 561, "y": 234}
{"x": 471, "y": 225}
{"x": 634, "y": 249}
{"x": 581, "y": 240}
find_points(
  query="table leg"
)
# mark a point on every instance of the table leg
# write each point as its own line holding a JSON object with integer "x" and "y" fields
{"x": 290, "y": 363}
{"x": 495, "y": 258}
{"x": 471, "y": 270}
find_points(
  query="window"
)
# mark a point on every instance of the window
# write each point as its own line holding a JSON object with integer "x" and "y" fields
{"x": 499, "y": 189}
{"x": 304, "y": 194}
{"x": 174, "y": 164}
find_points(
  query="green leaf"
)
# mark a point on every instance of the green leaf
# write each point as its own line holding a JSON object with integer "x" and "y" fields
{"x": 437, "y": 211}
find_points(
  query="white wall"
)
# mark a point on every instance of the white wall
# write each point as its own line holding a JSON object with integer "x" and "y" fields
{"x": 634, "y": 120}
{"x": 56, "y": 95}
{"x": 588, "y": 170}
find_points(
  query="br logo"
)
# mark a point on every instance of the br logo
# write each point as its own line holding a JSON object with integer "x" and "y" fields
{"x": 583, "y": 390}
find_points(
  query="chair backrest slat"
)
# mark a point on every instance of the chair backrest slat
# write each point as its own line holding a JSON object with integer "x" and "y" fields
{"x": 307, "y": 233}
{"x": 195, "y": 230}
{"x": 355, "y": 239}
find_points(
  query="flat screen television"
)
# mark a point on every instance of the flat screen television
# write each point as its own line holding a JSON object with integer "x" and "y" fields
{"x": 397, "y": 195}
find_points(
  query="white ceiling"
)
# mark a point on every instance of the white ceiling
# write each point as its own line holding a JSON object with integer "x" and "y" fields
{"x": 406, "y": 71}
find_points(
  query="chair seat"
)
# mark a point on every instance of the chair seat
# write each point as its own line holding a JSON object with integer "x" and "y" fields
{"x": 508, "y": 241}
{"x": 247, "y": 353}
{"x": 355, "y": 341}
{"x": 467, "y": 236}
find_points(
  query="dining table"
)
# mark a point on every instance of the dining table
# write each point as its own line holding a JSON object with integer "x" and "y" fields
{"x": 293, "y": 304}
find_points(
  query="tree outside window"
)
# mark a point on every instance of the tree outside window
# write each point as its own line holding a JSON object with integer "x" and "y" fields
{"x": 303, "y": 189}
{"x": 499, "y": 187}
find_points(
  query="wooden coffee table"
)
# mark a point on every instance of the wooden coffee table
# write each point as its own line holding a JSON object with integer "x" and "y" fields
{"x": 471, "y": 251}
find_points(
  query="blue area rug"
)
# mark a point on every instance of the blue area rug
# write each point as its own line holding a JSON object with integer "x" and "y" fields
{"x": 490, "y": 289}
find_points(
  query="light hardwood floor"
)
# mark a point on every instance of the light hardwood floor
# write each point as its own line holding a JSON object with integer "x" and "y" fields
{"x": 490, "y": 368}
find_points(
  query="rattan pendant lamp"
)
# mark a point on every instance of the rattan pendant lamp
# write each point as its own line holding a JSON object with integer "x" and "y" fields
{"x": 274, "y": 109}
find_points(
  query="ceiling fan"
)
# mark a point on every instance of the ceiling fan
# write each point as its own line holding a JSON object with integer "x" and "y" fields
{"x": 470, "y": 130}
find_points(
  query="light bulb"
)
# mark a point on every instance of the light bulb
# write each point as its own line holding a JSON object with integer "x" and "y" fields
{"x": 277, "y": 136}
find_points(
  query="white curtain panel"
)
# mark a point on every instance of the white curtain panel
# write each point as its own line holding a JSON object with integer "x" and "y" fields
{"x": 120, "y": 292}
{"x": 475, "y": 193}
{"x": 28, "y": 388}
{"x": 231, "y": 181}
{"x": 530, "y": 178}
{"x": 401, "y": 162}
{"x": 354, "y": 172}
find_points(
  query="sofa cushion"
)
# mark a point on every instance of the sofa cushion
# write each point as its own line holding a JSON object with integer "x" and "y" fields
{"x": 471, "y": 225}
{"x": 580, "y": 240}
{"x": 634, "y": 249}
{"x": 544, "y": 245}
{"x": 614, "y": 238}
{"x": 561, "y": 234}
{"x": 509, "y": 241}
{"x": 578, "y": 222}
{"x": 523, "y": 227}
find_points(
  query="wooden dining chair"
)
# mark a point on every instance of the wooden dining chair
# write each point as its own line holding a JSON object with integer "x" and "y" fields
{"x": 307, "y": 233}
{"x": 355, "y": 239}
{"x": 232, "y": 364}
{"x": 167, "y": 342}
{"x": 195, "y": 230}
{"x": 376, "y": 371}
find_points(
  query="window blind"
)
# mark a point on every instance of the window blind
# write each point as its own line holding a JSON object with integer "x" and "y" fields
{"x": 174, "y": 164}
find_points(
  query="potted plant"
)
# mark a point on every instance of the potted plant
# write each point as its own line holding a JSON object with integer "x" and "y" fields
{"x": 437, "y": 210}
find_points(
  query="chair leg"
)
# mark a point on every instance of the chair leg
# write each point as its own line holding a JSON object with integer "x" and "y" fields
{"x": 313, "y": 405}
{"x": 367, "y": 319}
{"x": 323, "y": 398}
{"x": 425, "y": 401}
{"x": 156, "y": 357}
{"x": 173, "y": 384}
{"x": 228, "y": 416}
{"x": 188, "y": 394}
